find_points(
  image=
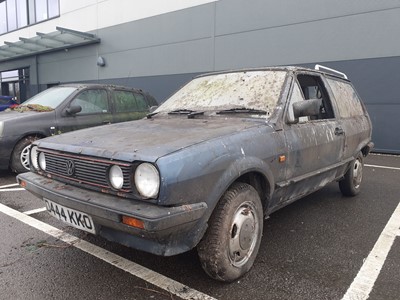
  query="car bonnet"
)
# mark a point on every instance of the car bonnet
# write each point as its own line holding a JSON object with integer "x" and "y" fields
{"x": 145, "y": 140}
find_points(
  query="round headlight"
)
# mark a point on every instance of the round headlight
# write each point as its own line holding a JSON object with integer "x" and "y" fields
{"x": 147, "y": 180}
{"x": 42, "y": 161}
{"x": 116, "y": 177}
{"x": 34, "y": 157}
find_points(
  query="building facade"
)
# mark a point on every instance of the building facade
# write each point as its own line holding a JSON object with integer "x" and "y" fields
{"x": 158, "y": 45}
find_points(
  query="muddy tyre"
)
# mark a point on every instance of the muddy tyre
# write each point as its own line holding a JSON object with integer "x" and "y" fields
{"x": 231, "y": 243}
{"x": 20, "y": 155}
{"x": 350, "y": 185}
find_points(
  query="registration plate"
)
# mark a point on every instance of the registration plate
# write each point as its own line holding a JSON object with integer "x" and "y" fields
{"x": 70, "y": 216}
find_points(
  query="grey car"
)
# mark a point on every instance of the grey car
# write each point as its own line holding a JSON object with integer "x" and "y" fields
{"x": 209, "y": 165}
{"x": 65, "y": 108}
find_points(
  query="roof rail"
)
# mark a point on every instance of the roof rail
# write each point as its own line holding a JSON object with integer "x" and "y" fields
{"x": 320, "y": 67}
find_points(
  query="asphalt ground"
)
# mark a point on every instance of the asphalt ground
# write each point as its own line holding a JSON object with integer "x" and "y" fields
{"x": 319, "y": 247}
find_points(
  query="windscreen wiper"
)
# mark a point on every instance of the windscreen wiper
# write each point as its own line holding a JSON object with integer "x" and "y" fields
{"x": 195, "y": 113}
{"x": 190, "y": 113}
{"x": 181, "y": 111}
{"x": 242, "y": 110}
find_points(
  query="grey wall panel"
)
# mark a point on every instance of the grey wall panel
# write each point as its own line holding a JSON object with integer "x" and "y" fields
{"x": 386, "y": 133}
{"x": 234, "y": 16}
{"x": 174, "y": 43}
{"x": 70, "y": 54}
{"x": 176, "y": 27}
{"x": 328, "y": 40}
{"x": 67, "y": 70}
{"x": 76, "y": 64}
{"x": 185, "y": 57}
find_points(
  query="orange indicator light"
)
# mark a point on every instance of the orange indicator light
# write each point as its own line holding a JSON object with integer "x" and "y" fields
{"x": 22, "y": 183}
{"x": 133, "y": 222}
{"x": 282, "y": 158}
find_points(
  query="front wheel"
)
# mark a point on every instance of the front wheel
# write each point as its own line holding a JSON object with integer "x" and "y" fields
{"x": 350, "y": 185}
{"x": 231, "y": 243}
{"x": 20, "y": 155}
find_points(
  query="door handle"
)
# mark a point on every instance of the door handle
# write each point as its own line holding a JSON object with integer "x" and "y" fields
{"x": 339, "y": 131}
{"x": 106, "y": 122}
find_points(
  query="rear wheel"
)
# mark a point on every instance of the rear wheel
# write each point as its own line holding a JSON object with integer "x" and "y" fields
{"x": 231, "y": 243}
{"x": 20, "y": 155}
{"x": 350, "y": 185}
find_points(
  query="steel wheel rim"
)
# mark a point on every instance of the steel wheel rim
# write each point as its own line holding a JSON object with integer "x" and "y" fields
{"x": 244, "y": 234}
{"x": 25, "y": 157}
{"x": 357, "y": 173}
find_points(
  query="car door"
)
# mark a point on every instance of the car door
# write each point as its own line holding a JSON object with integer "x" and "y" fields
{"x": 314, "y": 144}
{"x": 95, "y": 110}
{"x": 129, "y": 105}
{"x": 353, "y": 116}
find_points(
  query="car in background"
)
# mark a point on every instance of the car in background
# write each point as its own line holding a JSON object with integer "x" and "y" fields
{"x": 209, "y": 165}
{"x": 65, "y": 108}
{"x": 7, "y": 102}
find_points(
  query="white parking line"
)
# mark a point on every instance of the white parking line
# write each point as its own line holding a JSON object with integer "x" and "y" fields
{"x": 381, "y": 167}
{"x": 35, "y": 211}
{"x": 8, "y": 185}
{"x": 366, "y": 277}
{"x": 8, "y": 188}
{"x": 12, "y": 190}
{"x": 139, "y": 271}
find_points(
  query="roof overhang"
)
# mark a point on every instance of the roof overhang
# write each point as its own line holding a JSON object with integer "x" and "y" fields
{"x": 61, "y": 39}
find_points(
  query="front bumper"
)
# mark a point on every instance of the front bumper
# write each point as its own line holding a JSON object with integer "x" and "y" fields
{"x": 167, "y": 230}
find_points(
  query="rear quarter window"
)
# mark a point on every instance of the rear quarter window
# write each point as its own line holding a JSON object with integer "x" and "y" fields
{"x": 125, "y": 101}
{"x": 347, "y": 100}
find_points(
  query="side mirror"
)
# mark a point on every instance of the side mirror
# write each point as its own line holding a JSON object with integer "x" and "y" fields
{"x": 307, "y": 108}
{"x": 74, "y": 109}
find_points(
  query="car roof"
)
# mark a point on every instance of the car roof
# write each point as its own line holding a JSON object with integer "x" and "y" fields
{"x": 332, "y": 72}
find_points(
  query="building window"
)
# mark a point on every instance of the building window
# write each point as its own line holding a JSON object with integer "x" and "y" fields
{"x": 22, "y": 13}
{"x": 41, "y": 10}
{"x": 11, "y": 15}
{"x": 16, "y": 14}
{"x": 3, "y": 17}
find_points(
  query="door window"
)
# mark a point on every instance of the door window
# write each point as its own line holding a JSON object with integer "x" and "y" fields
{"x": 141, "y": 102}
{"x": 125, "y": 101}
{"x": 348, "y": 103}
{"x": 92, "y": 102}
{"x": 295, "y": 97}
{"x": 312, "y": 87}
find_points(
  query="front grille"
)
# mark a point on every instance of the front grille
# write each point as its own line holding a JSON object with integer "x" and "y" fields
{"x": 85, "y": 170}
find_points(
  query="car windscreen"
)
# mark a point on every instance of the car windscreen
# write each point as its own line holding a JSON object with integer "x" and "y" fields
{"x": 51, "y": 97}
{"x": 250, "y": 90}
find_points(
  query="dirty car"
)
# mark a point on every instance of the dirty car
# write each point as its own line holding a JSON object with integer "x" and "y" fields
{"x": 209, "y": 165}
{"x": 65, "y": 108}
